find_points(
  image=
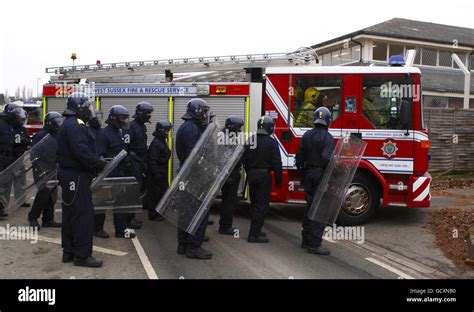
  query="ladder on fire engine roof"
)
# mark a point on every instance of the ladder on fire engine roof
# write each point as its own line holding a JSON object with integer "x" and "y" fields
{"x": 203, "y": 68}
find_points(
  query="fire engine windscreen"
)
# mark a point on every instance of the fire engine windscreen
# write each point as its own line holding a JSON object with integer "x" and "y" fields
{"x": 30, "y": 172}
{"x": 205, "y": 171}
{"x": 337, "y": 177}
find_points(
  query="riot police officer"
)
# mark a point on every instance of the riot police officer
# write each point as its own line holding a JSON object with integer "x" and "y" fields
{"x": 136, "y": 145}
{"x": 157, "y": 169}
{"x": 11, "y": 115}
{"x": 233, "y": 126}
{"x": 46, "y": 197}
{"x": 95, "y": 124}
{"x": 110, "y": 143}
{"x": 21, "y": 143}
{"x": 78, "y": 164}
{"x": 312, "y": 158}
{"x": 196, "y": 119}
{"x": 259, "y": 162}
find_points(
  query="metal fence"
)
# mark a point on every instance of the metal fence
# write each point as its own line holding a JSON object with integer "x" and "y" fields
{"x": 451, "y": 133}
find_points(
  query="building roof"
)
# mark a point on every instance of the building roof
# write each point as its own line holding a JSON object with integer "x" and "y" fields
{"x": 401, "y": 28}
{"x": 342, "y": 70}
{"x": 444, "y": 80}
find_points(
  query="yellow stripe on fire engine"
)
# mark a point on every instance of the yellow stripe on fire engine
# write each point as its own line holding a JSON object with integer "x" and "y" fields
{"x": 247, "y": 128}
{"x": 44, "y": 108}
{"x": 170, "y": 139}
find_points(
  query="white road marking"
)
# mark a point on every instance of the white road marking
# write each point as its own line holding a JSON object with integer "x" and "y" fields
{"x": 390, "y": 268}
{"x": 57, "y": 241}
{"x": 150, "y": 272}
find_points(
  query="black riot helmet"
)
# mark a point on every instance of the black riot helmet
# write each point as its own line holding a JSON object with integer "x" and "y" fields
{"x": 143, "y": 111}
{"x": 78, "y": 104}
{"x": 14, "y": 113}
{"x": 198, "y": 110}
{"x": 265, "y": 125}
{"x": 162, "y": 128}
{"x": 234, "y": 123}
{"x": 322, "y": 116}
{"x": 53, "y": 121}
{"x": 118, "y": 117}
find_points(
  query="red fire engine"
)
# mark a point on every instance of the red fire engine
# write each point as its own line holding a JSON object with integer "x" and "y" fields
{"x": 382, "y": 105}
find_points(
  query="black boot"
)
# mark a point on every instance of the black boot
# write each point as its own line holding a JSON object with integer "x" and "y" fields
{"x": 205, "y": 239}
{"x": 34, "y": 223}
{"x": 258, "y": 239}
{"x": 319, "y": 250}
{"x": 181, "y": 249}
{"x": 135, "y": 224}
{"x": 68, "y": 257}
{"x": 3, "y": 214}
{"x": 101, "y": 234}
{"x": 51, "y": 224}
{"x": 198, "y": 253}
{"x": 304, "y": 243}
{"x": 156, "y": 217}
{"x": 89, "y": 262}
{"x": 210, "y": 222}
{"x": 26, "y": 205}
{"x": 227, "y": 231}
{"x": 262, "y": 234}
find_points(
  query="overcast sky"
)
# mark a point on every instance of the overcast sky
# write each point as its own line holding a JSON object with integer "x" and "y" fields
{"x": 39, "y": 34}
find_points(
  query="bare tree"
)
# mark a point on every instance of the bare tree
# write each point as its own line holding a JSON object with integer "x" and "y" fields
{"x": 17, "y": 93}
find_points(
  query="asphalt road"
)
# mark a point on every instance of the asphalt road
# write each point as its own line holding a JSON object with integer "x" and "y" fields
{"x": 396, "y": 244}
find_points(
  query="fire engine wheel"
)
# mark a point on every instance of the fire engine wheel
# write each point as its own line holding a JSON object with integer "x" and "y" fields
{"x": 361, "y": 201}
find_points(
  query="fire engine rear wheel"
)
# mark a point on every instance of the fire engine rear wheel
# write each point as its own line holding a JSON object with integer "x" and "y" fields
{"x": 362, "y": 199}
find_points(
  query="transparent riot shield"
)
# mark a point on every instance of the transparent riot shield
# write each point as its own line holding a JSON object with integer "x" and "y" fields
{"x": 111, "y": 165}
{"x": 30, "y": 172}
{"x": 337, "y": 177}
{"x": 205, "y": 171}
{"x": 119, "y": 194}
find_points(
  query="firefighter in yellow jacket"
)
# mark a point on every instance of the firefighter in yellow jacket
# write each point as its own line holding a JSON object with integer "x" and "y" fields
{"x": 312, "y": 100}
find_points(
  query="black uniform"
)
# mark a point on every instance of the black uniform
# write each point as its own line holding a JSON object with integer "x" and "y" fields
{"x": 186, "y": 138}
{"x": 45, "y": 198}
{"x": 259, "y": 161}
{"x": 136, "y": 145}
{"x": 21, "y": 143}
{"x": 312, "y": 158}
{"x": 229, "y": 198}
{"x": 109, "y": 144}
{"x": 78, "y": 164}
{"x": 157, "y": 173}
{"x": 7, "y": 138}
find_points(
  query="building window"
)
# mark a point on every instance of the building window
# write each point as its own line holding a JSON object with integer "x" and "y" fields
{"x": 336, "y": 58}
{"x": 395, "y": 50}
{"x": 463, "y": 59}
{"x": 346, "y": 56}
{"x": 471, "y": 67}
{"x": 445, "y": 59}
{"x": 379, "y": 52}
{"x": 355, "y": 53}
{"x": 428, "y": 57}
{"x": 327, "y": 59}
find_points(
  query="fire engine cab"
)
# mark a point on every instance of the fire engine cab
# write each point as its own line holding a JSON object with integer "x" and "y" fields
{"x": 382, "y": 105}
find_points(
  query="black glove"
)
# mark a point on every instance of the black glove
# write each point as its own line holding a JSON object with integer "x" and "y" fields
{"x": 101, "y": 164}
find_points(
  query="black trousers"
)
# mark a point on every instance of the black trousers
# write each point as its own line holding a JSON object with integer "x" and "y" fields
{"x": 137, "y": 168}
{"x": 229, "y": 202}
{"x": 78, "y": 212}
{"x": 44, "y": 202}
{"x": 260, "y": 189}
{"x": 119, "y": 222}
{"x": 196, "y": 239}
{"x": 313, "y": 231}
{"x": 155, "y": 189}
